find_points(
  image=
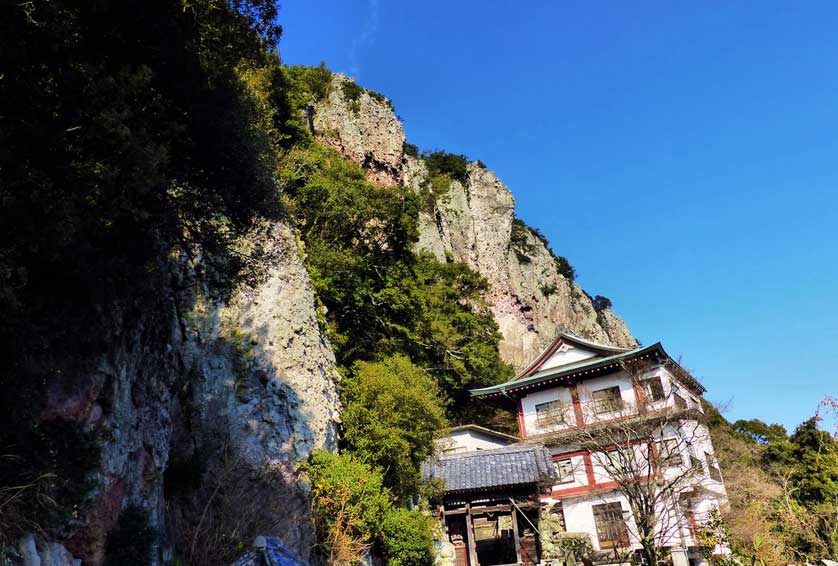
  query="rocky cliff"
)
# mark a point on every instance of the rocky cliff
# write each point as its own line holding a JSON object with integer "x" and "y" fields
{"x": 203, "y": 406}
{"x": 472, "y": 222}
{"x": 209, "y": 428}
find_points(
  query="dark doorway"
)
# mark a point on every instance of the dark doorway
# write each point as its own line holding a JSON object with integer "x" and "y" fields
{"x": 494, "y": 537}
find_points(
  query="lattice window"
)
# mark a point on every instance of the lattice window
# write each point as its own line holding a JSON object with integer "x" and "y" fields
{"x": 610, "y": 525}
{"x": 607, "y": 400}
{"x": 653, "y": 389}
{"x": 551, "y": 414}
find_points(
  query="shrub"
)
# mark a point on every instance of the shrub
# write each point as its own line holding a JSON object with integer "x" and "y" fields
{"x": 46, "y": 472}
{"x": 217, "y": 502}
{"x": 601, "y": 303}
{"x": 348, "y": 501}
{"x": 352, "y": 94}
{"x": 519, "y": 241}
{"x": 380, "y": 98}
{"x": 564, "y": 268}
{"x": 453, "y": 165}
{"x": 410, "y": 149}
{"x": 131, "y": 542}
{"x": 351, "y": 91}
{"x": 407, "y": 538}
{"x": 392, "y": 410}
{"x": 547, "y": 290}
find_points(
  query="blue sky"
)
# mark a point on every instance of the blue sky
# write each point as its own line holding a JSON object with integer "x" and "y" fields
{"x": 682, "y": 155}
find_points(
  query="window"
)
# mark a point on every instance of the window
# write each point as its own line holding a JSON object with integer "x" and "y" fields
{"x": 670, "y": 455}
{"x": 610, "y": 526}
{"x": 607, "y": 400}
{"x": 564, "y": 470}
{"x": 680, "y": 402}
{"x": 713, "y": 467}
{"x": 551, "y": 414}
{"x": 653, "y": 389}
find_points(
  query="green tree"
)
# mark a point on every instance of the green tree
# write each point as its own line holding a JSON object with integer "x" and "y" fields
{"x": 761, "y": 432}
{"x": 407, "y": 538}
{"x": 381, "y": 298}
{"x": 348, "y": 501}
{"x": 392, "y": 410}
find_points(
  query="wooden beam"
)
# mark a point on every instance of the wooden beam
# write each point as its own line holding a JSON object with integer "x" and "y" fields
{"x": 515, "y": 535}
{"x": 472, "y": 544}
{"x": 490, "y": 509}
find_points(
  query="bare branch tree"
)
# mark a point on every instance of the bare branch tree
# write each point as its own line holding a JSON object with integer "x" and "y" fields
{"x": 652, "y": 451}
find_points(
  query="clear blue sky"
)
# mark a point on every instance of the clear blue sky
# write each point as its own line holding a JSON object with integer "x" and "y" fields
{"x": 682, "y": 155}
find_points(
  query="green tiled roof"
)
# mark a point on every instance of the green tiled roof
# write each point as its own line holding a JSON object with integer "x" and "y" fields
{"x": 584, "y": 366}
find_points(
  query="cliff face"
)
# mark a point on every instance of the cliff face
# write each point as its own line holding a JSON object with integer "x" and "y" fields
{"x": 473, "y": 223}
{"x": 246, "y": 387}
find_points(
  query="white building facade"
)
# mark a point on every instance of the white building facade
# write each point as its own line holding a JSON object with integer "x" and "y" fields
{"x": 623, "y": 426}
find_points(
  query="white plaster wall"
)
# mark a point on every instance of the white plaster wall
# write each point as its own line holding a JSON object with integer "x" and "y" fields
{"x": 619, "y": 379}
{"x": 545, "y": 396}
{"x": 570, "y": 356}
{"x": 579, "y": 516}
{"x": 580, "y": 476}
{"x": 600, "y": 460}
{"x": 470, "y": 440}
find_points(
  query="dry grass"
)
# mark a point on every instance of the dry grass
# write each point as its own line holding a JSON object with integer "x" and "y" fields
{"x": 17, "y": 504}
{"x": 216, "y": 524}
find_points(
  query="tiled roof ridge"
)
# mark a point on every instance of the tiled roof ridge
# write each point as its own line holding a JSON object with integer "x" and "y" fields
{"x": 519, "y": 447}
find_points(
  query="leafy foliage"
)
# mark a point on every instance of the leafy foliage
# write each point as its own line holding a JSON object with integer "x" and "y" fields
{"x": 755, "y": 429}
{"x": 601, "y": 303}
{"x": 392, "y": 411}
{"x": 410, "y": 149}
{"x": 381, "y": 298}
{"x": 353, "y": 512}
{"x": 46, "y": 478}
{"x": 452, "y": 165}
{"x": 407, "y": 538}
{"x": 784, "y": 501}
{"x": 524, "y": 248}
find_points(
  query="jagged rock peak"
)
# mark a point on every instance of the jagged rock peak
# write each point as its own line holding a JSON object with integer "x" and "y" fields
{"x": 362, "y": 126}
{"x": 532, "y": 297}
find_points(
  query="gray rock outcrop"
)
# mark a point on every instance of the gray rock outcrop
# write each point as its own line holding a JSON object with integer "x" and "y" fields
{"x": 247, "y": 384}
{"x": 472, "y": 223}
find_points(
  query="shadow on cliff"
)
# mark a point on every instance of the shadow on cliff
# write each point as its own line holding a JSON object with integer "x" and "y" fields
{"x": 239, "y": 432}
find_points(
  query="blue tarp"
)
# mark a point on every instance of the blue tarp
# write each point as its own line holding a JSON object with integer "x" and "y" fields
{"x": 269, "y": 551}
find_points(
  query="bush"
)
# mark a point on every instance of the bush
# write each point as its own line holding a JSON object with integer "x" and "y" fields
{"x": 519, "y": 241}
{"x": 131, "y": 542}
{"x": 564, "y": 268}
{"x": 392, "y": 410}
{"x": 407, "y": 538}
{"x": 451, "y": 164}
{"x": 601, "y": 303}
{"x": 410, "y": 149}
{"x": 352, "y": 94}
{"x": 348, "y": 501}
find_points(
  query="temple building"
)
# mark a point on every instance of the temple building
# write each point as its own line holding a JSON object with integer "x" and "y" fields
{"x": 631, "y": 464}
